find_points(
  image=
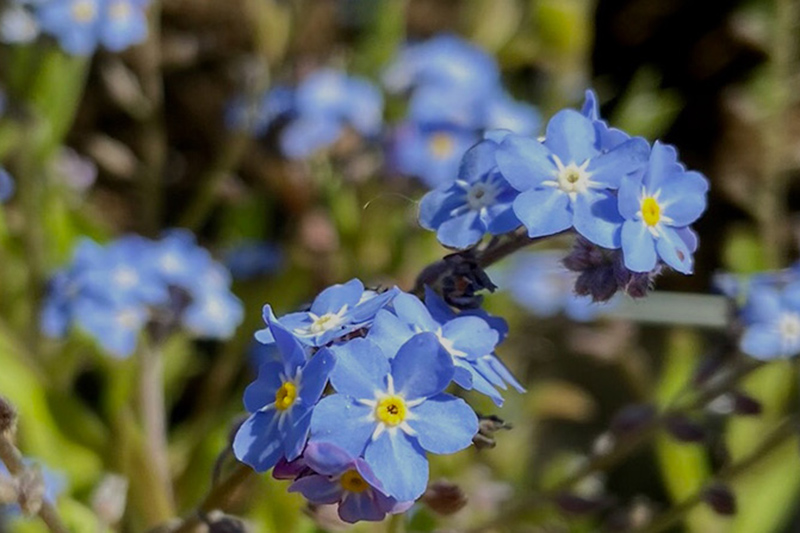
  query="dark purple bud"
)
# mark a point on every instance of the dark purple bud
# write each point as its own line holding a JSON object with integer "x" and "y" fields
{"x": 219, "y": 522}
{"x": 684, "y": 429}
{"x": 465, "y": 279}
{"x": 444, "y": 497}
{"x": 745, "y": 405}
{"x": 720, "y": 498}
{"x": 580, "y": 505}
{"x": 632, "y": 418}
{"x": 289, "y": 470}
{"x": 488, "y": 426}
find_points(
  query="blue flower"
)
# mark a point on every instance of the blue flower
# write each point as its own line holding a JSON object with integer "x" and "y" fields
{"x": 502, "y": 112}
{"x": 467, "y": 339}
{"x": 82, "y": 25}
{"x": 116, "y": 327}
{"x": 772, "y": 321}
{"x": 607, "y": 137}
{"x": 281, "y": 401}
{"x": 432, "y": 153}
{"x": 326, "y": 102}
{"x": 7, "y": 186}
{"x": 392, "y": 411}
{"x": 257, "y": 117}
{"x": 214, "y": 314}
{"x": 566, "y": 181}
{"x": 18, "y": 25}
{"x": 337, "y": 311}
{"x": 658, "y": 208}
{"x": 344, "y": 480}
{"x": 447, "y": 62}
{"x": 479, "y": 201}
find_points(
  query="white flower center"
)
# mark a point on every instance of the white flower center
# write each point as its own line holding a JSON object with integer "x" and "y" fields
{"x": 572, "y": 179}
{"x": 119, "y": 10}
{"x": 126, "y": 277}
{"x": 83, "y": 11}
{"x": 789, "y": 328}
{"x": 323, "y": 323}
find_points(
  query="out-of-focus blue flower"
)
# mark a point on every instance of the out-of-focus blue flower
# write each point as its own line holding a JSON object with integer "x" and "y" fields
{"x": 772, "y": 321}
{"x": 432, "y": 153}
{"x": 18, "y": 25}
{"x": 250, "y": 260}
{"x": 467, "y": 339}
{"x": 658, "y": 207}
{"x": 326, "y": 102}
{"x": 539, "y": 282}
{"x": 566, "y": 181}
{"x": 115, "y": 326}
{"x": 214, "y": 314}
{"x": 258, "y": 116}
{"x": 502, "y": 112}
{"x": 447, "y": 62}
{"x": 391, "y": 409}
{"x": 341, "y": 479}
{"x": 7, "y": 186}
{"x": 76, "y": 172}
{"x": 337, "y": 311}
{"x": 281, "y": 401}
{"x": 82, "y": 25}
{"x": 479, "y": 201}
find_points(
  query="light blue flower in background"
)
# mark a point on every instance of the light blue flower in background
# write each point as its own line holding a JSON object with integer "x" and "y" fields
{"x": 772, "y": 321}
{"x": 7, "y": 186}
{"x": 392, "y": 409}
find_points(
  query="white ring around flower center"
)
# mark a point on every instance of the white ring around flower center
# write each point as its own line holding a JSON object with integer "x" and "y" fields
{"x": 789, "y": 328}
{"x": 572, "y": 179}
{"x": 321, "y": 324}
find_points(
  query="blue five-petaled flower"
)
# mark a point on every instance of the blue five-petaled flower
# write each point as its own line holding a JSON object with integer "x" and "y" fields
{"x": 772, "y": 321}
{"x": 567, "y": 180}
{"x": 281, "y": 401}
{"x": 392, "y": 411}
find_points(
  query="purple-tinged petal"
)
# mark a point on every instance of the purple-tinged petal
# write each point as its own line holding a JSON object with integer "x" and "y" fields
{"x": 326, "y": 458}
{"x": 318, "y": 489}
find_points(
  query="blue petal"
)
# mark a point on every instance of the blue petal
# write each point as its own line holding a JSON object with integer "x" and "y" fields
{"x": 571, "y": 137}
{"x": 627, "y": 158}
{"x": 689, "y": 237}
{"x": 438, "y": 308}
{"x": 498, "y": 372}
{"x": 361, "y": 369}
{"x": 444, "y": 424}
{"x": 366, "y": 310}
{"x": 791, "y": 296}
{"x": 590, "y": 108}
{"x": 478, "y": 161}
{"x": 315, "y": 376}
{"x": 258, "y": 442}
{"x": 340, "y": 420}
{"x": 683, "y": 198}
{"x": 462, "y": 231}
{"x": 400, "y": 463}
{"x": 262, "y": 391}
{"x": 763, "y": 342}
{"x": 673, "y": 250}
{"x": 662, "y": 165}
{"x": 436, "y": 207}
{"x": 628, "y": 201}
{"x": 763, "y": 305}
{"x": 304, "y": 136}
{"x": 501, "y": 218}
{"x": 543, "y": 211}
{"x": 360, "y": 506}
{"x": 389, "y": 332}
{"x": 597, "y": 218}
{"x": 291, "y": 350}
{"x": 412, "y": 311}
{"x": 471, "y": 335}
{"x": 524, "y": 162}
{"x": 332, "y": 299}
{"x": 638, "y": 248}
{"x": 422, "y": 368}
{"x": 318, "y": 489}
{"x": 326, "y": 458}
{"x": 296, "y": 436}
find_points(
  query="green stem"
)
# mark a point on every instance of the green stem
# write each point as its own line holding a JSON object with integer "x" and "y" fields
{"x": 396, "y": 523}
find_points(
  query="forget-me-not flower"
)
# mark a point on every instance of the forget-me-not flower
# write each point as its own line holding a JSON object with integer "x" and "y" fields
{"x": 344, "y": 480}
{"x": 392, "y": 410}
{"x": 772, "y": 320}
{"x": 658, "y": 207}
{"x": 281, "y": 401}
{"x": 479, "y": 202}
{"x": 567, "y": 181}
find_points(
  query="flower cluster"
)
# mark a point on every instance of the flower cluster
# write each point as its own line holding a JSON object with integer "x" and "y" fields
{"x": 112, "y": 292}
{"x": 770, "y": 312}
{"x": 540, "y": 283}
{"x": 456, "y": 95}
{"x": 317, "y": 112}
{"x": 389, "y": 358}
{"x": 80, "y": 26}
{"x": 613, "y": 190}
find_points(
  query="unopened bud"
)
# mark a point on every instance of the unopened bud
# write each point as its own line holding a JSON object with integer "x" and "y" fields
{"x": 444, "y": 497}
{"x": 720, "y": 498}
{"x": 8, "y": 417}
{"x": 745, "y": 405}
{"x": 685, "y": 429}
{"x": 488, "y": 426}
{"x": 30, "y": 491}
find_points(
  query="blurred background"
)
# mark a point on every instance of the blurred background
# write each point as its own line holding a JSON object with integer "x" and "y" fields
{"x": 140, "y": 141}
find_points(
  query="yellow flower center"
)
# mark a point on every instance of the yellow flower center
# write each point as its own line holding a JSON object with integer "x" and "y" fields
{"x": 285, "y": 396}
{"x": 352, "y": 481}
{"x": 441, "y": 145}
{"x": 325, "y": 322}
{"x": 83, "y": 11}
{"x": 651, "y": 211}
{"x": 391, "y": 410}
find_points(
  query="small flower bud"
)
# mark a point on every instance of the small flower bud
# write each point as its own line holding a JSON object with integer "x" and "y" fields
{"x": 444, "y": 497}
{"x": 632, "y": 418}
{"x": 685, "y": 429}
{"x": 8, "y": 417}
{"x": 489, "y": 425}
{"x": 745, "y": 405}
{"x": 720, "y": 498}
{"x": 30, "y": 491}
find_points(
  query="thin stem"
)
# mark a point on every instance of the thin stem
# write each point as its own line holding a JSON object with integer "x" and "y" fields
{"x": 219, "y": 498}
{"x": 12, "y": 458}
{"x": 153, "y": 413}
{"x": 785, "y": 430}
{"x": 396, "y": 523}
